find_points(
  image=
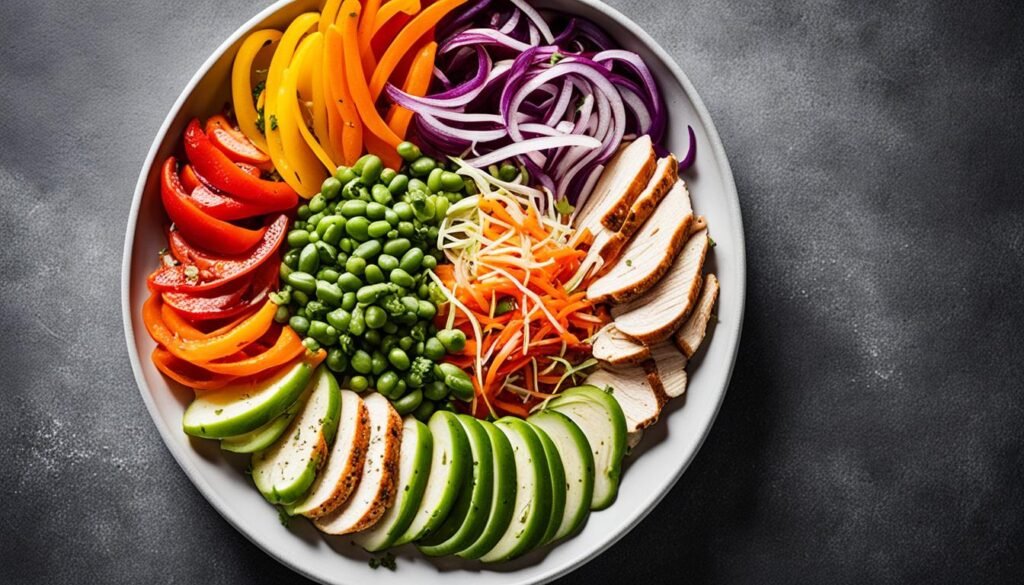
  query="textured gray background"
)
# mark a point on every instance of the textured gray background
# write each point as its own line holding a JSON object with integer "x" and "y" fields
{"x": 873, "y": 429}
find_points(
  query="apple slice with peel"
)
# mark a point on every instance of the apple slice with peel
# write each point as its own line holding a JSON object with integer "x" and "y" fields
{"x": 376, "y": 489}
{"x": 413, "y": 469}
{"x": 578, "y": 463}
{"x": 469, "y": 516}
{"x": 344, "y": 466}
{"x": 600, "y": 418}
{"x": 264, "y": 436}
{"x": 450, "y": 464}
{"x": 532, "y": 507}
{"x": 246, "y": 406}
{"x": 284, "y": 472}
{"x": 558, "y": 491}
{"x": 503, "y": 496}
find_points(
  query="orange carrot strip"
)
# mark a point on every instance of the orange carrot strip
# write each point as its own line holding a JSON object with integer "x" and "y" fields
{"x": 391, "y": 9}
{"x": 352, "y": 139}
{"x": 366, "y": 24}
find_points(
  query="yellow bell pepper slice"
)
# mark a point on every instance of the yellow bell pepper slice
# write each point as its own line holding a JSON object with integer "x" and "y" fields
{"x": 291, "y": 111}
{"x": 241, "y": 84}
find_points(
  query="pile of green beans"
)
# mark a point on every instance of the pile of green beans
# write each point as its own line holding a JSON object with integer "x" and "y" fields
{"x": 355, "y": 280}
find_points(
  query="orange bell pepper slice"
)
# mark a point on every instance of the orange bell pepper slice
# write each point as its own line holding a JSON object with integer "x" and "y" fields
{"x": 219, "y": 346}
{"x": 287, "y": 347}
{"x": 188, "y": 374}
{"x": 416, "y": 83}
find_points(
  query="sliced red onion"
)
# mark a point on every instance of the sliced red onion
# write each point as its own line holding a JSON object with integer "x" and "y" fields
{"x": 533, "y": 145}
{"x": 691, "y": 151}
{"x": 483, "y": 36}
{"x": 536, "y": 20}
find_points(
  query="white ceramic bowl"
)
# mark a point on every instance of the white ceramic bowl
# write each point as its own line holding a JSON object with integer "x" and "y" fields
{"x": 649, "y": 473}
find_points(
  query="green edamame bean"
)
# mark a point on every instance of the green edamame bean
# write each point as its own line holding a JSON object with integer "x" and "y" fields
{"x": 386, "y": 175}
{"x": 358, "y": 167}
{"x": 399, "y": 185}
{"x": 337, "y": 361}
{"x": 328, "y": 221}
{"x": 329, "y": 274}
{"x": 291, "y": 259}
{"x": 373, "y": 274}
{"x": 333, "y": 233}
{"x": 429, "y": 262}
{"x": 375, "y": 317}
{"x": 426, "y": 211}
{"x": 344, "y": 175}
{"x": 404, "y": 210}
{"x": 406, "y": 319}
{"x": 299, "y": 324}
{"x": 330, "y": 188}
{"x": 452, "y": 182}
{"x": 401, "y": 278}
{"x": 406, "y": 343}
{"x": 375, "y": 210}
{"x": 418, "y": 348}
{"x": 298, "y": 238}
{"x": 311, "y": 344}
{"x": 316, "y": 310}
{"x": 303, "y": 212}
{"x": 416, "y": 185}
{"x": 412, "y": 304}
{"x": 441, "y": 205}
{"x": 386, "y": 383}
{"x": 368, "y": 250}
{"x": 356, "y": 227}
{"x": 361, "y": 362}
{"x": 391, "y": 217}
{"x": 424, "y": 291}
{"x": 378, "y": 228}
{"x": 372, "y": 338}
{"x": 424, "y": 411}
{"x": 422, "y": 166}
{"x": 507, "y": 172}
{"x": 300, "y": 298}
{"x": 408, "y": 151}
{"x": 387, "y": 262}
{"x": 436, "y": 390}
{"x": 372, "y": 168}
{"x": 434, "y": 180}
{"x": 302, "y": 281}
{"x": 358, "y": 383}
{"x": 349, "y": 282}
{"x": 381, "y": 194}
{"x": 453, "y": 340}
{"x": 411, "y": 260}
{"x": 398, "y": 358}
{"x": 314, "y": 220}
{"x": 426, "y": 310}
{"x": 318, "y": 203}
{"x": 357, "y": 325}
{"x": 355, "y": 265}
{"x": 328, "y": 292}
{"x": 309, "y": 259}
{"x": 390, "y": 328}
{"x": 314, "y": 237}
{"x": 348, "y": 301}
{"x": 346, "y": 245}
{"x": 461, "y": 386}
{"x": 328, "y": 253}
{"x": 406, "y": 229}
{"x": 354, "y": 190}
{"x": 380, "y": 363}
{"x": 281, "y": 315}
{"x": 339, "y": 319}
{"x": 408, "y": 403}
{"x": 369, "y": 294}
{"x": 353, "y": 208}
{"x": 397, "y": 247}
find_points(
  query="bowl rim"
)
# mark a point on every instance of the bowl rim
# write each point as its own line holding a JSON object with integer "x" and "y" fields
{"x": 655, "y": 495}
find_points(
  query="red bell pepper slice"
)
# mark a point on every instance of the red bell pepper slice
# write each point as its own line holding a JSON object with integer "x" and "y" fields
{"x": 214, "y": 271}
{"x": 251, "y": 169}
{"x": 234, "y": 299}
{"x": 189, "y": 179}
{"x": 197, "y": 226}
{"x": 222, "y": 173}
{"x": 234, "y": 144}
{"x": 225, "y": 207}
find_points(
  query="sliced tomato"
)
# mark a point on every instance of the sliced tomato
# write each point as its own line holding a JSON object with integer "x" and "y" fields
{"x": 212, "y": 272}
{"x": 226, "y": 207}
{"x": 251, "y": 169}
{"x": 234, "y": 144}
{"x": 230, "y": 301}
{"x": 189, "y": 179}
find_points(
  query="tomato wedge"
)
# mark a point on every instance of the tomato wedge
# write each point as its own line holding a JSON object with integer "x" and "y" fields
{"x": 222, "y": 173}
{"x": 214, "y": 271}
{"x": 196, "y": 225}
{"x": 234, "y": 144}
{"x": 225, "y": 207}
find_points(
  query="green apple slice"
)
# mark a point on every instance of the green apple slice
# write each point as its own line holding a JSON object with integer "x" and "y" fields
{"x": 246, "y": 406}
{"x": 376, "y": 489}
{"x": 600, "y": 418}
{"x": 284, "y": 472}
{"x": 469, "y": 516}
{"x": 532, "y": 507}
{"x": 558, "y": 491}
{"x": 578, "y": 463}
{"x": 340, "y": 475}
{"x": 503, "y": 495}
{"x": 413, "y": 469}
{"x": 450, "y": 464}
{"x": 264, "y": 436}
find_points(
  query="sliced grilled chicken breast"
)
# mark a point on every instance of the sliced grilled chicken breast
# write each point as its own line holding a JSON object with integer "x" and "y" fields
{"x": 650, "y": 253}
{"x": 665, "y": 175}
{"x": 623, "y": 179}
{"x": 690, "y": 335}
{"x": 671, "y": 365}
{"x": 344, "y": 466}
{"x": 376, "y": 489}
{"x": 613, "y": 347}
{"x": 660, "y": 311}
{"x": 637, "y": 390}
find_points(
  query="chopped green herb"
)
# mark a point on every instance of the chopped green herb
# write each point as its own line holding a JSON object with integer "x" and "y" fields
{"x": 218, "y": 411}
{"x": 563, "y": 206}
{"x": 556, "y": 57}
{"x": 283, "y": 517}
{"x": 191, "y": 273}
{"x": 257, "y": 90}
{"x": 711, "y": 242}
{"x": 261, "y": 124}
{"x": 629, "y": 262}
{"x": 387, "y": 561}
{"x": 273, "y": 122}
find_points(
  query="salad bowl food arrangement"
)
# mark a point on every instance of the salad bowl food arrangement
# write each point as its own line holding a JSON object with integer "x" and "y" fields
{"x": 431, "y": 286}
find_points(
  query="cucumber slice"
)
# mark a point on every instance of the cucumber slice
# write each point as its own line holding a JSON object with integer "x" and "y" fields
{"x": 469, "y": 516}
{"x": 264, "y": 436}
{"x": 240, "y": 408}
{"x": 339, "y": 477}
{"x": 285, "y": 471}
{"x": 413, "y": 469}
{"x": 600, "y": 418}
{"x": 532, "y": 508}
{"x": 557, "y": 473}
{"x": 376, "y": 489}
{"x": 450, "y": 464}
{"x": 503, "y": 495}
{"x": 578, "y": 463}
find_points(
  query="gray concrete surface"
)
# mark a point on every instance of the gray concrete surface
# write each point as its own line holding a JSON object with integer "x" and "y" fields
{"x": 873, "y": 430}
